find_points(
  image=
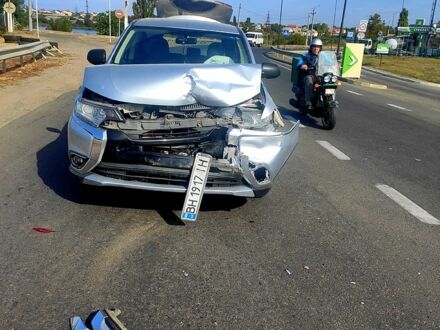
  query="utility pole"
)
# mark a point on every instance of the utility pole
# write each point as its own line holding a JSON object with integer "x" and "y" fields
{"x": 268, "y": 26}
{"x": 308, "y": 29}
{"x": 239, "y": 12}
{"x": 431, "y": 25}
{"x": 126, "y": 14}
{"x": 87, "y": 7}
{"x": 434, "y": 5}
{"x": 30, "y": 15}
{"x": 110, "y": 20}
{"x": 38, "y": 24}
{"x": 342, "y": 27}
{"x": 281, "y": 11}
{"x": 313, "y": 19}
{"x": 333, "y": 26}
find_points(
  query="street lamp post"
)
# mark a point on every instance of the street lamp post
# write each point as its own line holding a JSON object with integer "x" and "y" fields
{"x": 342, "y": 26}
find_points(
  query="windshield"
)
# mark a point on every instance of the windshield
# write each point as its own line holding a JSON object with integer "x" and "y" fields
{"x": 151, "y": 45}
{"x": 250, "y": 35}
{"x": 327, "y": 63}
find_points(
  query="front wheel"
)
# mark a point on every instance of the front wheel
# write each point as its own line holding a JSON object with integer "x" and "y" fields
{"x": 329, "y": 119}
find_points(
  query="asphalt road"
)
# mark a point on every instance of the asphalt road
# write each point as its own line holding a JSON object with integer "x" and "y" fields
{"x": 326, "y": 248}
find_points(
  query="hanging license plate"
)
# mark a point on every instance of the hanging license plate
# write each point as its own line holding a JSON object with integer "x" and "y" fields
{"x": 329, "y": 91}
{"x": 196, "y": 187}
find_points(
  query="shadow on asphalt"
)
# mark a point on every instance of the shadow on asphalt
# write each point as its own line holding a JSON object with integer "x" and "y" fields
{"x": 53, "y": 164}
{"x": 291, "y": 114}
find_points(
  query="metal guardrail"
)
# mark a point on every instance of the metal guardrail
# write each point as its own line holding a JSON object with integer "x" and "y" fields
{"x": 23, "y": 50}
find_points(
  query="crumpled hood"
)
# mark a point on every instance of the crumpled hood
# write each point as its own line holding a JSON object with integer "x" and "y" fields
{"x": 175, "y": 84}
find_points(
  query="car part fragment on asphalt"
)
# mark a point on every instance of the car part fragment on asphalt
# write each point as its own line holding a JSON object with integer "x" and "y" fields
{"x": 104, "y": 319}
{"x": 44, "y": 230}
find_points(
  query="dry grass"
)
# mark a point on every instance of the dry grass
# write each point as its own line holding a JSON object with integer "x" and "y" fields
{"x": 16, "y": 72}
{"x": 423, "y": 68}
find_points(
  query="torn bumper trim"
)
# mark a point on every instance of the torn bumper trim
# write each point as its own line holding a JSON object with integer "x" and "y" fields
{"x": 100, "y": 180}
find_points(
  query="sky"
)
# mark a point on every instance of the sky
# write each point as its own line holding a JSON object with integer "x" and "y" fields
{"x": 294, "y": 11}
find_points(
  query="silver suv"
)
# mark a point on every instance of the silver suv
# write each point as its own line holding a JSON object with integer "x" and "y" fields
{"x": 173, "y": 88}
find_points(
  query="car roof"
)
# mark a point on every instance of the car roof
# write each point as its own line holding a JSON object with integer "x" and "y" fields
{"x": 188, "y": 22}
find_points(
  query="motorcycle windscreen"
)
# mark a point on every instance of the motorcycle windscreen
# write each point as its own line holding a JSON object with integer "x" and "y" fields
{"x": 327, "y": 63}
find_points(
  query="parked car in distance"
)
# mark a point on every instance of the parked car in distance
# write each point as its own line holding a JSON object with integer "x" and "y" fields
{"x": 255, "y": 39}
{"x": 171, "y": 89}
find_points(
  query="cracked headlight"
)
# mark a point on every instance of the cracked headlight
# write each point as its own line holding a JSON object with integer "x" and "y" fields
{"x": 95, "y": 114}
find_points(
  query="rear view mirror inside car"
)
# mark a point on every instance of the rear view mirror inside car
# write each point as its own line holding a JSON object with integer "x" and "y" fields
{"x": 186, "y": 41}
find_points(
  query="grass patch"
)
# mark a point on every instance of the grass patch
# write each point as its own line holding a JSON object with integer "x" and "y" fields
{"x": 423, "y": 68}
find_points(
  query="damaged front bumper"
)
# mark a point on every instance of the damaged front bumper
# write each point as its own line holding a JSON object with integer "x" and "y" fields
{"x": 252, "y": 159}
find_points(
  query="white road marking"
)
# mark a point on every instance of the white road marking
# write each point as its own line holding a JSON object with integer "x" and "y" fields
{"x": 333, "y": 150}
{"x": 355, "y": 93}
{"x": 398, "y": 107}
{"x": 408, "y": 205}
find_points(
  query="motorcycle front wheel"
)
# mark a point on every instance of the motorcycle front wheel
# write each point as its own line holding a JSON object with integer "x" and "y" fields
{"x": 329, "y": 119}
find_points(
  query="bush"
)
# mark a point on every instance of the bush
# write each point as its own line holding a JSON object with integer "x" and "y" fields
{"x": 62, "y": 24}
{"x": 296, "y": 39}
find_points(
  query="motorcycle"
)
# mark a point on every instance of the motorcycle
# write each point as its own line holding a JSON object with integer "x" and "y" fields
{"x": 324, "y": 102}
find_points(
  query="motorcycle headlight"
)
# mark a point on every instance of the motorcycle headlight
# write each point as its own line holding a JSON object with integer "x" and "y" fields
{"x": 327, "y": 78}
{"x": 95, "y": 114}
{"x": 334, "y": 79}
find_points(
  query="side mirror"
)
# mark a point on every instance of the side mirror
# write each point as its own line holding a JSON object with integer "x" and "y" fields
{"x": 270, "y": 71}
{"x": 96, "y": 56}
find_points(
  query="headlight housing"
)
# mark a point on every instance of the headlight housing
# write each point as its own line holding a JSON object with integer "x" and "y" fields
{"x": 327, "y": 78}
{"x": 334, "y": 79}
{"x": 95, "y": 113}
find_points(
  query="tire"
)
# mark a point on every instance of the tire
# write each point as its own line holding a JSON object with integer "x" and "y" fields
{"x": 329, "y": 119}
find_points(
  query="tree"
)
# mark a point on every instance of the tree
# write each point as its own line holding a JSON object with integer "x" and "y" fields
{"x": 62, "y": 24}
{"x": 248, "y": 25}
{"x": 144, "y": 8}
{"x": 20, "y": 13}
{"x": 403, "y": 18}
{"x": 376, "y": 27}
{"x": 102, "y": 24}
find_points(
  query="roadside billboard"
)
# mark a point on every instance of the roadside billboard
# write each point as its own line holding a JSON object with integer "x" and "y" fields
{"x": 352, "y": 60}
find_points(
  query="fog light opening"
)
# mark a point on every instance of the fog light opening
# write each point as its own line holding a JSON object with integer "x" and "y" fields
{"x": 261, "y": 174}
{"x": 77, "y": 161}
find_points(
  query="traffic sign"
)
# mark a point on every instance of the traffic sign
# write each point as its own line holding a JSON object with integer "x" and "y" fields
{"x": 382, "y": 49}
{"x": 361, "y": 35}
{"x": 352, "y": 60}
{"x": 9, "y": 7}
{"x": 350, "y": 36}
{"x": 363, "y": 25}
{"x": 119, "y": 14}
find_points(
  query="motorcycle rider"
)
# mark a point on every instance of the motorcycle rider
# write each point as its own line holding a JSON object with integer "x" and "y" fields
{"x": 309, "y": 60}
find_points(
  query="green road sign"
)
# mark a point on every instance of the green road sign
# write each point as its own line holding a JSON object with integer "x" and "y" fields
{"x": 382, "y": 49}
{"x": 352, "y": 61}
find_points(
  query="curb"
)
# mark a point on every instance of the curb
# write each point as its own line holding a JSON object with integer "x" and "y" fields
{"x": 282, "y": 59}
{"x": 363, "y": 83}
{"x": 403, "y": 78}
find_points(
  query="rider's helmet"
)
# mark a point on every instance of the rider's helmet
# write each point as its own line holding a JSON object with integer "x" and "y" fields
{"x": 316, "y": 42}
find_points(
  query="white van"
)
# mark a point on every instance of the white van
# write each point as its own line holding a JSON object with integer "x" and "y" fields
{"x": 255, "y": 39}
